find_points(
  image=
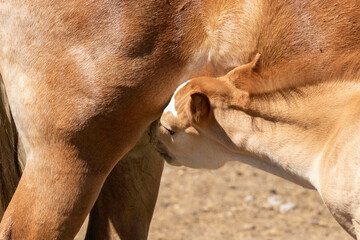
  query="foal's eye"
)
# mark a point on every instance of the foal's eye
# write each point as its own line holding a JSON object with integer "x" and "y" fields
{"x": 170, "y": 131}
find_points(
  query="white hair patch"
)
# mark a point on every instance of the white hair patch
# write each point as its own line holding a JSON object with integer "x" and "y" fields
{"x": 171, "y": 106}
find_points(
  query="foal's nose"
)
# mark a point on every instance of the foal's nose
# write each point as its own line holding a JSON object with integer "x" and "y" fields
{"x": 153, "y": 132}
{"x": 162, "y": 150}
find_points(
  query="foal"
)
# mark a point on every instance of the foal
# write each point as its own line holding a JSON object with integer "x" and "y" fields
{"x": 308, "y": 135}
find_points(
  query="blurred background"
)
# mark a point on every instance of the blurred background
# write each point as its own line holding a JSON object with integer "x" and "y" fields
{"x": 238, "y": 202}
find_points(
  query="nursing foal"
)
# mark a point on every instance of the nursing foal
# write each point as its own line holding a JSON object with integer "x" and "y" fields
{"x": 309, "y": 135}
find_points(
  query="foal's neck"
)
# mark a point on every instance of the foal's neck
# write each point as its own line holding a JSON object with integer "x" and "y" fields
{"x": 290, "y": 130}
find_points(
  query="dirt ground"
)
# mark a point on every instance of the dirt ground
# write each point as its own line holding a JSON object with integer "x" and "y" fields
{"x": 238, "y": 202}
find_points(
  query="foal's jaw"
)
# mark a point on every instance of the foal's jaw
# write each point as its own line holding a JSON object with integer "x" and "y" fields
{"x": 188, "y": 148}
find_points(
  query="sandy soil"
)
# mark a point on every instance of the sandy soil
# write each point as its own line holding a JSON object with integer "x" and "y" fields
{"x": 238, "y": 202}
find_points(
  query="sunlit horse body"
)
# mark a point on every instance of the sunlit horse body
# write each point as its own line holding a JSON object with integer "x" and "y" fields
{"x": 84, "y": 79}
{"x": 306, "y": 134}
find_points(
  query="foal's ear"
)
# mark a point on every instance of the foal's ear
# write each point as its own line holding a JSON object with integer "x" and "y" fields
{"x": 244, "y": 76}
{"x": 245, "y": 69}
{"x": 198, "y": 108}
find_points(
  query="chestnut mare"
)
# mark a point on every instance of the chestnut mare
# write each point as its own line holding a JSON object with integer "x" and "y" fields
{"x": 84, "y": 79}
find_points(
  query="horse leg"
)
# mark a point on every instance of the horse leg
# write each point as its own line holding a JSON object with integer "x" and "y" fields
{"x": 68, "y": 159}
{"x": 125, "y": 206}
{"x": 10, "y": 171}
{"x": 60, "y": 183}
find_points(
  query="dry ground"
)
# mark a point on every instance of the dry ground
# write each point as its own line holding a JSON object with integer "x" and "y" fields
{"x": 238, "y": 202}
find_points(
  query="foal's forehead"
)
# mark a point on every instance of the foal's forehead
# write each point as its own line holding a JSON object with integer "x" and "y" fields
{"x": 171, "y": 106}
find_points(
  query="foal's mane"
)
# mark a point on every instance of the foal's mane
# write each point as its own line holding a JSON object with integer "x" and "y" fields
{"x": 286, "y": 79}
{"x": 274, "y": 91}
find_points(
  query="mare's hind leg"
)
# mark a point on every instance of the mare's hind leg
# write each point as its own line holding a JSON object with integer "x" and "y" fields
{"x": 65, "y": 169}
{"x": 10, "y": 169}
{"x": 126, "y": 202}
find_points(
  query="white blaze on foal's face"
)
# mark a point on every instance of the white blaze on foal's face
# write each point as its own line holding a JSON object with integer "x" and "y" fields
{"x": 170, "y": 108}
{"x": 182, "y": 128}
